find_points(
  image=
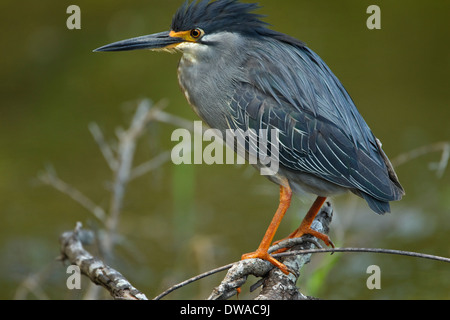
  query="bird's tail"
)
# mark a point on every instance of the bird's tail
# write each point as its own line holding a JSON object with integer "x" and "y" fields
{"x": 379, "y": 206}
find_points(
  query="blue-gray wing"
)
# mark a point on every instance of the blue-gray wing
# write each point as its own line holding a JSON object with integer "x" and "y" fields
{"x": 320, "y": 130}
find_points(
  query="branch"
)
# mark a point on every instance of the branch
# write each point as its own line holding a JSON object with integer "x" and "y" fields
{"x": 299, "y": 252}
{"x": 105, "y": 148}
{"x": 120, "y": 161}
{"x": 120, "y": 288}
{"x": 367, "y": 250}
{"x": 50, "y": 178}
{"x": 171, "y": 119}
{"x": 275, "y": 284}
{"x": 150, "y": 165}
{"x": 99, "y": 273}
{"x": 127, "y": 145}
{"x": 123, "y": 164}
{"x": 440, "y": 167}
{"x": 239, "y": 271}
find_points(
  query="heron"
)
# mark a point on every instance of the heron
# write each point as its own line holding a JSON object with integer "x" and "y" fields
{"x": 238, "y": 73}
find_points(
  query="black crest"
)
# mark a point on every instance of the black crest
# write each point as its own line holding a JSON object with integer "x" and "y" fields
{"x": 224, "y": 15}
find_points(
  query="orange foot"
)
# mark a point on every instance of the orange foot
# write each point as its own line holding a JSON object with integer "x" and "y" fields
{"x": 305, "y": 231}
{"x": 299, "y": 233}
{"x": 305, "y": 226}
{"x": 262, "y": 251}
{"x": 264, "y": 255}
{"x": 326, "y": 239}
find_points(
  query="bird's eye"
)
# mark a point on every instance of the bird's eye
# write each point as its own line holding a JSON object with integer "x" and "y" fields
{"x": 197, "y": 33}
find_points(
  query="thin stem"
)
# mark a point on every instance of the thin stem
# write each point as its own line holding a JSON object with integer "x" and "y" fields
{"x": 308, "y": 251}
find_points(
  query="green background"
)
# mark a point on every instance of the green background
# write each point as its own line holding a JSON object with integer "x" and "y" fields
{"x": 180, "y": 221}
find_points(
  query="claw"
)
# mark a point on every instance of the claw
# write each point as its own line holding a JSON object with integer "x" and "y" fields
{"x": 260, "y": 254}
{"x": 326, "y": 239}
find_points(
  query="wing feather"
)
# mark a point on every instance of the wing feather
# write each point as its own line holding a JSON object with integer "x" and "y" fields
{"x": 320, "y": 130}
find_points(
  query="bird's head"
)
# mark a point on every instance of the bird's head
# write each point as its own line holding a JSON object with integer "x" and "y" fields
{"x": 198, "y": 24}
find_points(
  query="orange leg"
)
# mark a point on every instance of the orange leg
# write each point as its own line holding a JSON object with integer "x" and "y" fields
{"x": 261, "y": 252}
{"x": 305, "y": 226}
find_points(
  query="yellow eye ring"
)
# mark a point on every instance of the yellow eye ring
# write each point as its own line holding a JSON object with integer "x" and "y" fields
{"x": 197, "y": 33}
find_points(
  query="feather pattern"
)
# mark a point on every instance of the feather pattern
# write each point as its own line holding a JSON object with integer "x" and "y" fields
{"x": 320, "y": 130}
{"x": 242, "y": 75}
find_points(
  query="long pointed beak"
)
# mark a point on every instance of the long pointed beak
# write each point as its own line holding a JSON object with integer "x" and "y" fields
{"x": 156, "y": 41}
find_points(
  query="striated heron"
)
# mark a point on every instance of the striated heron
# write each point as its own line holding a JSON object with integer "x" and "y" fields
{"x": 238, "y": 74}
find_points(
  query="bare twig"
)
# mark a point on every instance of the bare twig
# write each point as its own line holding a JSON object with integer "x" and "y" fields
{"x": 439, "y": 167}
{"x": 126, "y": 150}
{"x": 120, "y": 161}
{"x": 150, "y": 165}
{"x": 193, "y": 279}
{"x": 32, "y": 284}
{"x": 104, "y": 147}
{"x": 171, "y": 119}
{"x": 99, "y": 273}
{"x": 366, "y": 250}
{"x": 127, "y": 141}
{"x": 50, "y": 177}
{"x": 300, "y": 252}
